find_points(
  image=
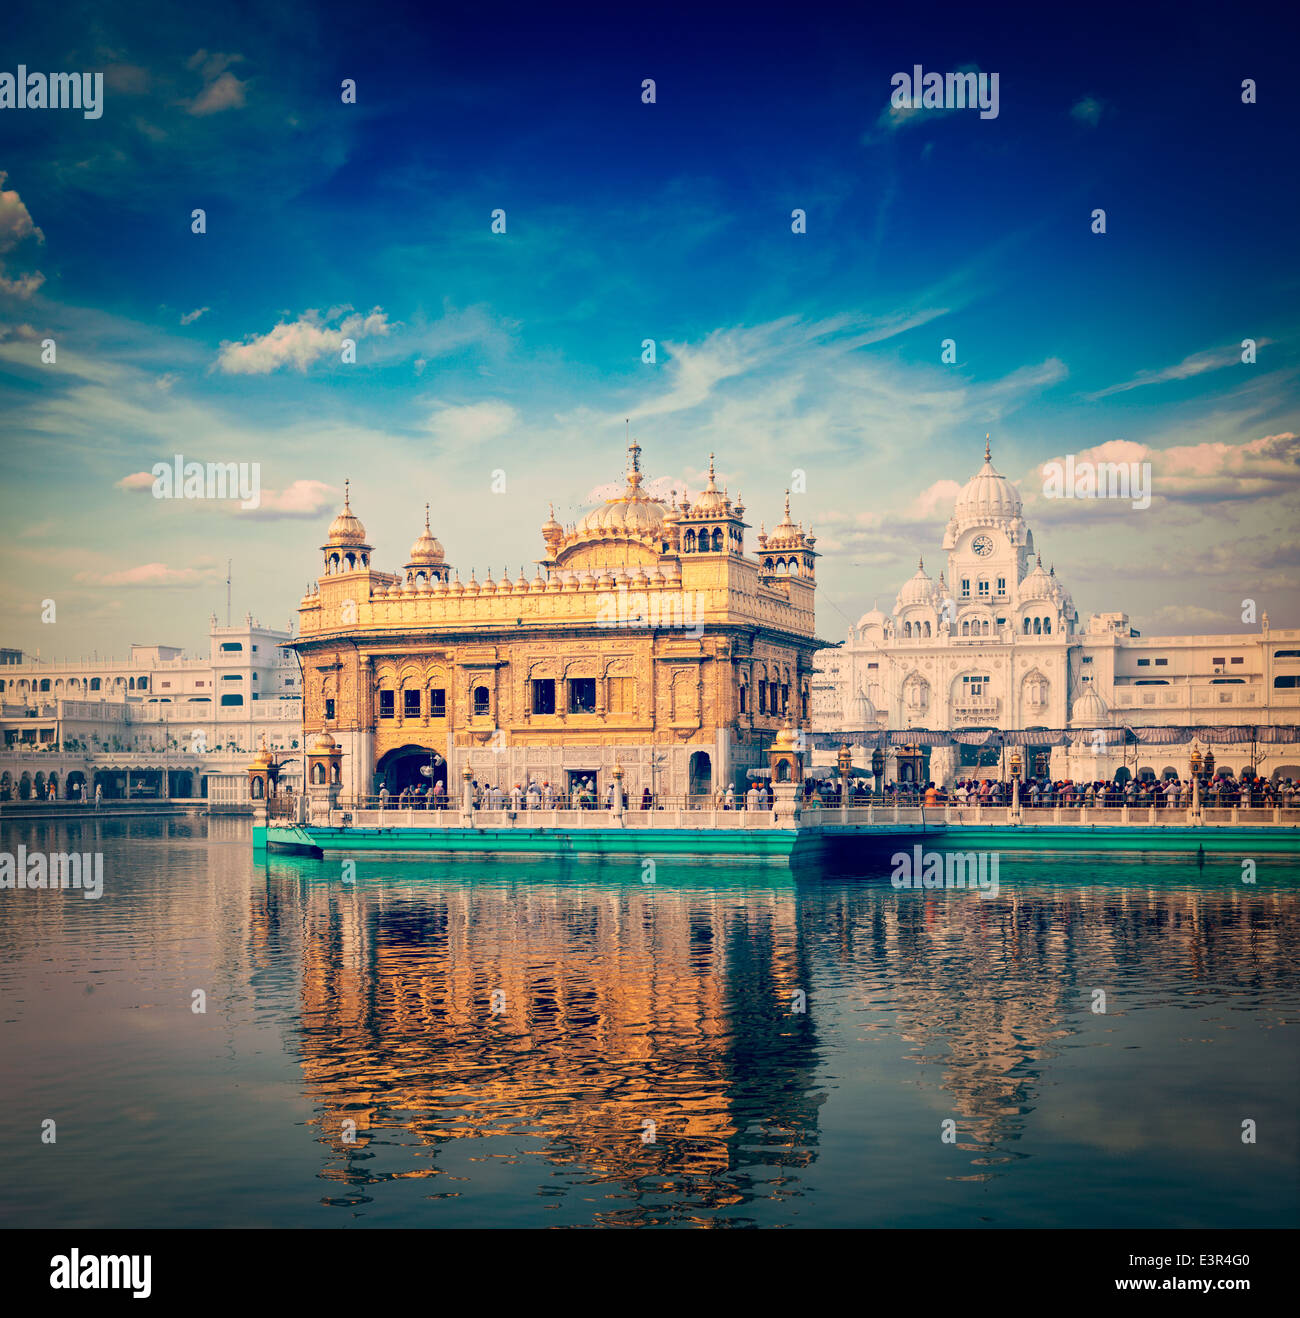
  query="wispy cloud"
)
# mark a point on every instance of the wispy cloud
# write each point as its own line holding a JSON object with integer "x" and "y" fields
{"x": 1198, "y": 363}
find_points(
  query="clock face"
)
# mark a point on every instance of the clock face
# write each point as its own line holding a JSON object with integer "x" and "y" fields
{"x": 982, "y": 545}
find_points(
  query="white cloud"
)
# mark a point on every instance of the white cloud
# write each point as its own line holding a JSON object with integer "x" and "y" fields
{"x": 191, "y": 316}
{"x": 298, "y": 343}
{"x": 301, "y": 498}
{"x": 1210, "y": 472}
{"x": 138, "y": 482}
{"x": 16, "y": 226}
{"x": 15, "y": 219}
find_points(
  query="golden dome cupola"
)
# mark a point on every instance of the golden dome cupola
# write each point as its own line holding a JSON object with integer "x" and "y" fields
{"x": 627, "y": 529}
{"x": 712, "y": 524}
{"x": 787, "y": 551}
{"x": 428, "y": 563}
{"x": 345, "y": 547}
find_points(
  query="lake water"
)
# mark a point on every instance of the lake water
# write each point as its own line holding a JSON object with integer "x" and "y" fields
{"x": 552, "y": 1043}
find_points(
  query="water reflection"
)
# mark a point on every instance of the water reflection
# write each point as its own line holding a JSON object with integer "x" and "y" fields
{"x": 499, "y": 1034}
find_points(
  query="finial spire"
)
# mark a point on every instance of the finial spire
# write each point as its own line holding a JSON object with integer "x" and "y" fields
{"x": 988, "y": 448}
{"x": 787, "y": 505}
{"x": 710, "y": 469}
{"x": 426, "y": 516}
{"x": 347, "y": 496}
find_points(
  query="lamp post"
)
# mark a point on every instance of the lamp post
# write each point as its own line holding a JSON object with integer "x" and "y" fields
{"x": 878, "y": 770}
{"x": 466, "y": 800}
{"x": 655, "y": 761}
{"x": 1194, "y": 765}
{"x": 844, "y": 761}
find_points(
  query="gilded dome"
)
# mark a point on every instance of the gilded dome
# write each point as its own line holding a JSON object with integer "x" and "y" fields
{"x": 426, "y": 550}
{"x": 346, "y": 528}
{"x": 785, "y": 534}
{"x": 712, "y": 502}
{"x": 324, "y": 743}
{"x": 631, "y": 513}
{"x": 987, "y": 495}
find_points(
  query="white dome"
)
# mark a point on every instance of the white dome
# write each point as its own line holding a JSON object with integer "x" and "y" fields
{"x": 863, "y": 712}
{"x": 1037, "y": 585}
{"x": 988, "y": 495}
{"x": 872, "y": 618}
{"x": 917, "y": 589}
{"x": 1089, "y": 709}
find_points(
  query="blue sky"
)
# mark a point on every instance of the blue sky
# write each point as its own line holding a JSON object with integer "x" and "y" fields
{"x": 522, "y": 352}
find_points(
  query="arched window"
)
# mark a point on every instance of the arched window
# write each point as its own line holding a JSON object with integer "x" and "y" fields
{"x": 927, "y": 629}
{"x": 717, "y": 538}
{"x": 688, "y": 544}
{"x": 482, "y": 702}
{"x": 1026, "y": 626}
{"x": 1038, "y": 626}
{"x": 318, "y": 772}
{"x": 1047, "y": 626}
{"x": 94, "y": 684}
{"x": 907, "y": 630}
{"x": 965, "y": 627}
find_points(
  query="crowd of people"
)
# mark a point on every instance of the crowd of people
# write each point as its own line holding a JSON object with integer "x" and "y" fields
{"x": 1223, "y": 790}
{"x": 1035, "y": 793}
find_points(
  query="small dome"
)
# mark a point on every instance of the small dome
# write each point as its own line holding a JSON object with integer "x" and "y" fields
{"x": 1037, "y": 585}
{"x": 1090, "y": 709}
{"x": 872, "y": 618}
{"x": 712, "y": 502}
{"x": 987, "y": 495}
{"x": 324, "y": 743}
{"x": 864, "y": 712}
{"x": 785, "y": 533}
{"x": 346, "y": 528}
{"x": 919, "y": 588}
{"x": 426, "y": 551}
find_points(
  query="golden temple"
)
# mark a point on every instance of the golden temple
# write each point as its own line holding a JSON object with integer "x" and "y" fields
{"x": 647, "y": 638}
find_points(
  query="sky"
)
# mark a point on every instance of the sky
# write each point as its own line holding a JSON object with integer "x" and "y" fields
{"x": 496, "y": 372}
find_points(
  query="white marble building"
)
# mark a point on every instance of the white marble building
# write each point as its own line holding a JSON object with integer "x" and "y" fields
{"x": 995, "y": 642}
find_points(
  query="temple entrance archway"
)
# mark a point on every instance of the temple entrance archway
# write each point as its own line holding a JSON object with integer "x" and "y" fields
{"x": 402, "y": 768}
